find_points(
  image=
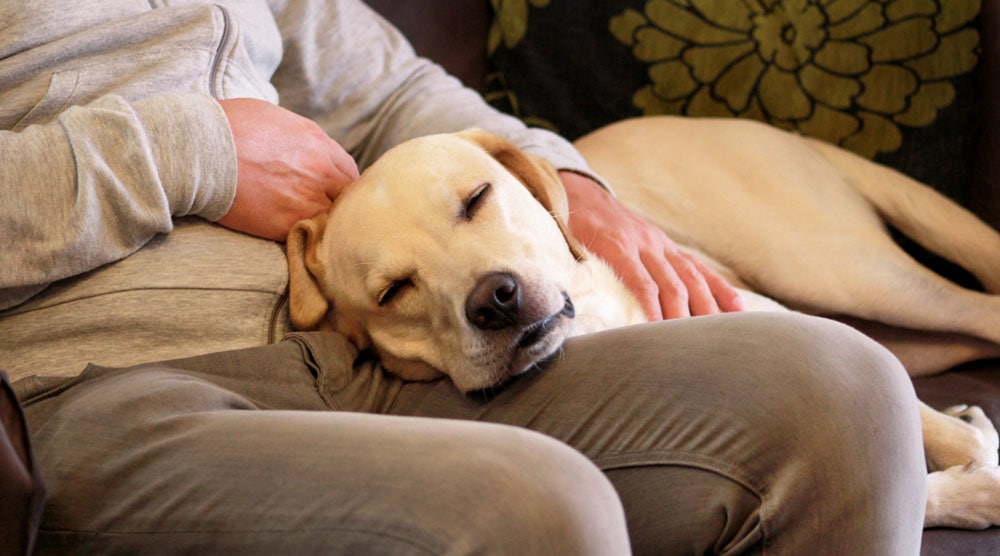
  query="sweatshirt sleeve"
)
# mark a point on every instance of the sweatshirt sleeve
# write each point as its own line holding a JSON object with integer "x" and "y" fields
{"x": 97, "y": 183}
{"x": 357, "y": 76}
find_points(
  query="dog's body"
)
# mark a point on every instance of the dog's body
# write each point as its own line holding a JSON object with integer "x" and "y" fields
{"x": 451, "y": 255}
{"x": 803, "y": 222}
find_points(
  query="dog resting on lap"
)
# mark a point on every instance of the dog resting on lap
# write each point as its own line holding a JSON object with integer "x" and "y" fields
{"x": 452, "y": 255}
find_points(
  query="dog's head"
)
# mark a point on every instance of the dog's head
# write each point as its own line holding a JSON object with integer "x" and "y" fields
{"x": 451, "y": 254}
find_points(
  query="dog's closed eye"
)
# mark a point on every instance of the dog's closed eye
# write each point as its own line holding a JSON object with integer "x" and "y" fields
{"x": 393, "y": 290}
{"x": 474, "y": 201}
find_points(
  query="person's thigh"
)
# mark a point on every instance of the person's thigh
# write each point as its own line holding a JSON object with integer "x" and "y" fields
{"x": 719, "y": 434}
{"x": 165, "y": 459}
{"x": 729, "y": 432}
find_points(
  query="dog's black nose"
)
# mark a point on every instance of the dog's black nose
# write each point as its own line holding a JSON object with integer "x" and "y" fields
{"x": 494, "y": 303}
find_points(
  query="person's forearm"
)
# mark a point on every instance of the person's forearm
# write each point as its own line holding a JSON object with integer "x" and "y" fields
{"x": 100, "y": 181}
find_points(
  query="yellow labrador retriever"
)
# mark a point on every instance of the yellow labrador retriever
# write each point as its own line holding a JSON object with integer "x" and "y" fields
{"x": 451, "y": 255}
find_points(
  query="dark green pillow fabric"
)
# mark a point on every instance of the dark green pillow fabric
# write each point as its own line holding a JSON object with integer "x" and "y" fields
{"x": 890, "y": 79}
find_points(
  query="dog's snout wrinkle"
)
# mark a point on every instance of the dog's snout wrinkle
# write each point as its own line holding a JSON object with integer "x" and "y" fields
{"x": 495, "y": 302}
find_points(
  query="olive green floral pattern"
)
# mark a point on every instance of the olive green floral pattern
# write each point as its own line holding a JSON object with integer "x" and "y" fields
{"x": 510, "y": 21}
{"x": 849, "y": 71}
{"x": 510, "y": 24}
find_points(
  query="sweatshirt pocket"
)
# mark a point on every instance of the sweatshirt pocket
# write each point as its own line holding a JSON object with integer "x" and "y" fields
{"x": 62, "y": 87}
{"x": 197, "y": 49}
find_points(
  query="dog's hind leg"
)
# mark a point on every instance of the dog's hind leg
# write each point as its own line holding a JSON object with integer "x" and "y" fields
{"x": 922, "y": 352}
{"x": 924, "y": 215}
{"x": 879, "y": 282}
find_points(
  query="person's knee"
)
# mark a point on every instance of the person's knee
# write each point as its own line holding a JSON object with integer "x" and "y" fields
{"x": 835, "y": 385}
{"x": 846, "y": 425}
{"x": 836, "y": 371}
{"x": 534, "y": 495}
{"x": 851, "y": 353}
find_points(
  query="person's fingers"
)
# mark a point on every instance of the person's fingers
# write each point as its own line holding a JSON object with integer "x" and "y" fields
{"x": 700, "y": 300}
{"x": 638, "y": 279}
{"x": 670, "y": 291}
{"x": 725, "y": 295}
{"x": 346, "y": 167}
{"x": 678, "y": 284}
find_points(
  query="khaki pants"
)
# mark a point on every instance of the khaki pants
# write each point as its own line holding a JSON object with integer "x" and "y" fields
{"x": 762, "y": 433}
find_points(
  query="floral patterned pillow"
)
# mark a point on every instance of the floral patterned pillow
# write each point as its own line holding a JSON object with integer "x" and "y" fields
{"x": 890, "y": 79}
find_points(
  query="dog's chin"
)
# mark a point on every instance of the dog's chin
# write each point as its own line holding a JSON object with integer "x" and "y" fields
{"x": 530, "y": 347}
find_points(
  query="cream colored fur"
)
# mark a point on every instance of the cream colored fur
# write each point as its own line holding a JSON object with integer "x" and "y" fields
{"x": 397, "y": 263}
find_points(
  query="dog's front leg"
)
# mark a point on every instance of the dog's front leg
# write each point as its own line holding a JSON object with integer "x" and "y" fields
{"x": 964, "y": 496}
{"x": 963, "y": 487}
{"x": 958, "y": 436}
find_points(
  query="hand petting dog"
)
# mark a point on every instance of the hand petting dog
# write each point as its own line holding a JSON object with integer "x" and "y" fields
{"x": 668, "y": 281}
{"x": 288, "y": 168}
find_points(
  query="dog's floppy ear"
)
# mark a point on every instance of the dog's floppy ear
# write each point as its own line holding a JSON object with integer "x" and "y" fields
{"x": 536, "y": 174}
{"x": 307, "y": 304}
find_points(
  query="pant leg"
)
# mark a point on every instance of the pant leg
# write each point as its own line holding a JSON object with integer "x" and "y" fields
{"x": 773, "y": 432}
{"x": 760, "y": 432}
{"x": 237, "y": 453}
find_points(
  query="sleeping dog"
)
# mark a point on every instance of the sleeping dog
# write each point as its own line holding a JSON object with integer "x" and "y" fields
{"x": 452, "y": 255}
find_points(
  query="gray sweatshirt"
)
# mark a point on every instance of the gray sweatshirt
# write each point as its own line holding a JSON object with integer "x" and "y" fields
{"x": 115, "y": 159}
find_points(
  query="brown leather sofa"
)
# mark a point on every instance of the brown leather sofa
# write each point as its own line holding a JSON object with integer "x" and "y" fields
{"x": 455, "y": 33}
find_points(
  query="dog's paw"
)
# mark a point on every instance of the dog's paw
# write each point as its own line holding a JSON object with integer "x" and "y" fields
{"x": 961, "y": 435}
{"x": 975, "y": 416}
{"x": 964, "y": 496}
{"x": 989, "y": 443}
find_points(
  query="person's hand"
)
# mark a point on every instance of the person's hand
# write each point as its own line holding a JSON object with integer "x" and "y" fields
{"x": 288, "y": 168}
{"x": 668, "y": 281}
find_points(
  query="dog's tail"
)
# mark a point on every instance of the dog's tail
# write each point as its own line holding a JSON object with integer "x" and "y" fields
{"x": 924, "y": 215}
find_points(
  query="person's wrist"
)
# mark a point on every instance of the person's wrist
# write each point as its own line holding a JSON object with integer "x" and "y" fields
{"x": 193, "y": 151}
{"x": 576, "y": 180}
